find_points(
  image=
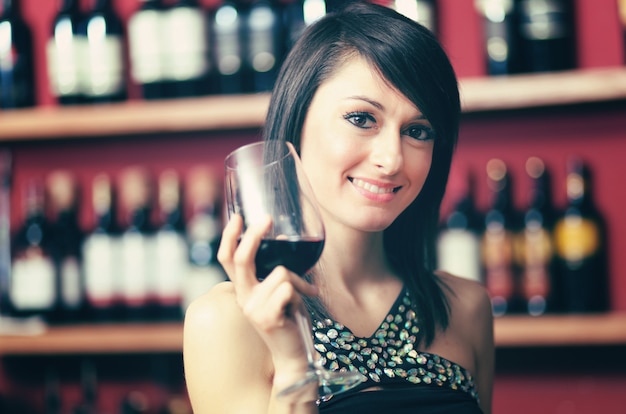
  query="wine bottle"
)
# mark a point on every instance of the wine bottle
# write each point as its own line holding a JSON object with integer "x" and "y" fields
{"x": 137, "y": 244}
{"x": 67, "y": 239}
{"x": 102, "y": 254}
{"x": 5, "y": 230}
{"x": 227, "y": 40}
{"x": 104, "y": 75}
{"x": 66, "y": 54}
{"x": 145, "y": 42}
{"x": 52, "y": 394}
{"x": 501, "y": 38}
{"x": 89, "y": 389}
{"x": 534, "y": 247}
{"x": 203, "y": 234}
{"x": 458, "y": 243}
{"x": 17, "y": 80}
{"x": 265, "y": 44}
{"x": 501, "y": 226}
{"x": 186, "y": 65}
{"x": 421, "y": 11}
{"x": 580, "y": 238}
{"x": 32, "y": 263}
{"x": 299, "y": 14}
{"x": 171, "y": 247}
{"x": 547, "y": 35}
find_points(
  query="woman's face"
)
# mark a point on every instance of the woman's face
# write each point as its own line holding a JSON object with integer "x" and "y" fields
{"x": 365, "y": 147}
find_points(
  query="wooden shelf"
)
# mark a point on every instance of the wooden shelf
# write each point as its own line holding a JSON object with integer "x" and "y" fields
{"x": 248, "y": 111}
{"x": 512, "y": 331}
{"x": 97, "y": 339}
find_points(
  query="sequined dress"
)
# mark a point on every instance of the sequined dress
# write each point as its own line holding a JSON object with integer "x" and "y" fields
{"x": 406, "y": 380}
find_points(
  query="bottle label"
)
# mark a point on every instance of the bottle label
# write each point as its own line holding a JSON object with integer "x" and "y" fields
{"x": 66, "y": 53}
{"x": 422, "y": 12}
{"x": 261, "y": 52}
{"x": 100, "y": 259}
{"x": 544, "y": 19}
{"x": 576, "y": 238}
{"x": 144, "y": 37}
{"x": 459, "y": 253}
{"x": 33, "y": 281}
{"x": 497, "y": 251}
{"x": 534, "y": 251}
{"x": 199, "y": 280}
{"x": 105, "y": 66}
{"x": 137, "y": 261}
{"x": 171, "y": 266}
{"x": 227, "y": 41}
{"x": 185, "y": 46}
{"x": 71, "y": 286}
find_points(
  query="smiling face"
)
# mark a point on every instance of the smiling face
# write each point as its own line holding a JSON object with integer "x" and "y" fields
{"x": 365, "y": 147}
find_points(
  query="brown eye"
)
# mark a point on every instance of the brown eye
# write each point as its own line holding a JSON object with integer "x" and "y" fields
{"x": 360, "y": 119}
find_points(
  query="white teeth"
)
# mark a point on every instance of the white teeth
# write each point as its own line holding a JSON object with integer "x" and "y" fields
{"x": 371, "y": 187}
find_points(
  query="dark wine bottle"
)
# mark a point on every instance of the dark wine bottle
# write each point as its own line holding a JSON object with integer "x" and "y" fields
{"x": 145, "y": 42}
{"x": 534, "y": 247}
{"x": 102, "y": 254}
{"x": 421, "y": 11}
{"x": 137, "y": 244}
{"x": 227, "y": 45}
{"x": 17, "y": 80}
{"x": 171, "y": 248}
{"x": 104, "y": 74}
{"x": 265, "y": 44}
{"x": 6, "y": 172}
{"x": 52, "y": 394}
{"x": 298, "y": 15}
{"x": 501, "y": 226}
{"x": 187, "y": 64}
{"x": 66, "y": 54}
{"x": 458, "y": 243}
{"x": 501, "y": 37}
{"x": 547, "y": 34}
{"x": 67, "y": 239}
{"x": 203, "y": 231}
{"x": 580, "y": 238}
{"x": 32, "y": 263}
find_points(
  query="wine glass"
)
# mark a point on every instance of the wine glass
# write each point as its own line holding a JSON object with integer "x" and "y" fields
{"x": 266, "y": 178}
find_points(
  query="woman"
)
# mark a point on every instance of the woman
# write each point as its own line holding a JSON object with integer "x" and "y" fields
{"x": 370, "y": 101}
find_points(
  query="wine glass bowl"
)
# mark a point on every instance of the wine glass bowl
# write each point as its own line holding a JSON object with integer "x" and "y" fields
{"x": 267, "y": 179}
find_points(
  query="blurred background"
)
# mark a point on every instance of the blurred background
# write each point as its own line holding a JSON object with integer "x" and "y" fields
{"x": 115, "y": 118}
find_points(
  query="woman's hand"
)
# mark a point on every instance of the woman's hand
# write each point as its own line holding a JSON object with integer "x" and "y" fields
{"x": 270, "y": 304}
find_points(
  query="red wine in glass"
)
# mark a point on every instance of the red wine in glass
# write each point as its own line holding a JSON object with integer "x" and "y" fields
{"x": 298, "y": 255}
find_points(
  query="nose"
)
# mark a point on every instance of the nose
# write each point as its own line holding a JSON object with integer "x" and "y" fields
{"x": 386, "y": 152}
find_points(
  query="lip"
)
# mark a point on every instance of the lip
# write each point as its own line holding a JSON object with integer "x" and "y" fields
{"x": 374, "y": 190}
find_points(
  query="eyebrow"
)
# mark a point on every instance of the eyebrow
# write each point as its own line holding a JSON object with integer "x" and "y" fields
{"x": 380, "y": 106}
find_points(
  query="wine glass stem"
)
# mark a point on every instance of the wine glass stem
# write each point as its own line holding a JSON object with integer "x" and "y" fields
{"x": 305, "y": 331}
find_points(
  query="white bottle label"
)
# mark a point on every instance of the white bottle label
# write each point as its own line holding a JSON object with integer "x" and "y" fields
{"x": 101, "y": 257}
{"x": 198, "y": 281}
{"x": 104, "y": 74}
{"x": 66, "y": 55}
{"x": 185, "y": 45}
{"x": 137, "y": 262}
{"x": 459, "y": 254}
{"x": 171, "y": 256}
{"x": 144, "y": 39}
{"x": 33, "y": 282}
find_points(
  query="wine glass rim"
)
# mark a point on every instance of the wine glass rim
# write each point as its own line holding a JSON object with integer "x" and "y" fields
{"x": 288, "y": 145}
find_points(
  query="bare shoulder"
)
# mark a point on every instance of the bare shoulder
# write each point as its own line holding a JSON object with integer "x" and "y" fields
{"x": 471, "y": 322}
{"x": 218, "y": 343}
{"x": 467, "y": 298}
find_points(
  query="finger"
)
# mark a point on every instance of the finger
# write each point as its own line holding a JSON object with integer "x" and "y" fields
{"x": 282, "y": 274}
{"x": 244, "y": 255}
{"x": 229, "y": 242}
